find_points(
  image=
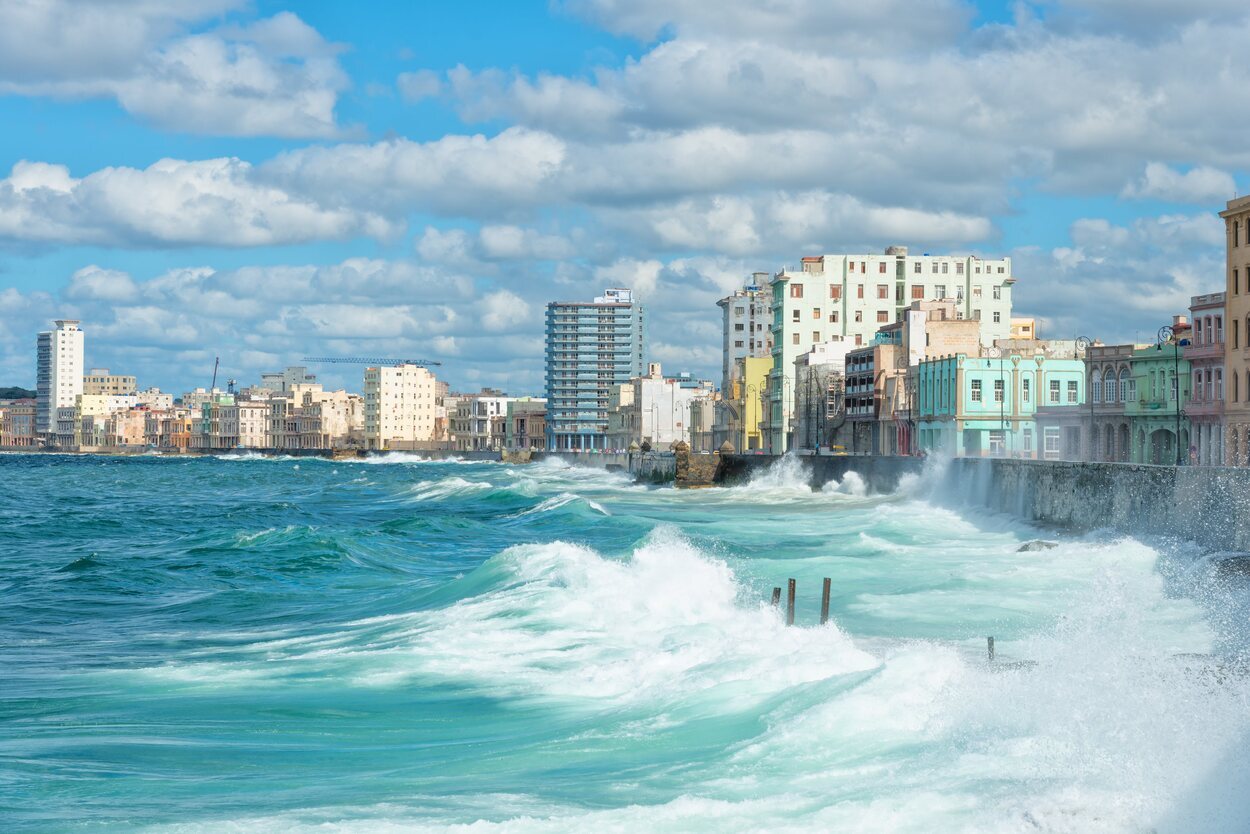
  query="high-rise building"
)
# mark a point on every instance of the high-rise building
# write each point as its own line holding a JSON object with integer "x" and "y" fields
{"x": 849, "y": 297}
{"x": 591, "y": 346}
{"x": 747, "y": 324}
{"x": 400, "y": 407}
{"x": 59, "y": 367}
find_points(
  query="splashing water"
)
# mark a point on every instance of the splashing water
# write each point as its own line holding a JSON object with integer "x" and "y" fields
{"x": 207, "y": 645}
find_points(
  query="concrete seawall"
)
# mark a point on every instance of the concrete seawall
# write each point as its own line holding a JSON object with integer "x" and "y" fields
{"x": 1207, "y": 505}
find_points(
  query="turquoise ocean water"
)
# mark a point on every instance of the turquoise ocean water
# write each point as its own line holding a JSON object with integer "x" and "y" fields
{"x": 277, "y": 645}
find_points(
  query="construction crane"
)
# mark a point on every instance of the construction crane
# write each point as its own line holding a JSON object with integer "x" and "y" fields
{"x": 213, "y": 385}
{"x": 355, "y": 360}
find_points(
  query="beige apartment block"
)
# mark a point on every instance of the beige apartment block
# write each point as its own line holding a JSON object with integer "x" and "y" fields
{"x": 1237, "y": 332}
{"x": 400, "y": 406}
{"x": 100, "y": 381}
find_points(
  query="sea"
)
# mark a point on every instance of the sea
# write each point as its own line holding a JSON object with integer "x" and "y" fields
{"x": 257, "y": 644}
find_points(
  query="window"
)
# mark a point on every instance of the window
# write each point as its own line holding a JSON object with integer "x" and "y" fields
{"x": 1050, "y": 442}
{"x": 1234, "y": 334}
{"x": 859, "y": 339}
{"x": 1197, "y": 331}
{"x": 1054, "y": 392}
{"x": 796, "y": 290}
{"x": 881, "y": 267}
{"x": 795, "y": 314}
{"x": 1027, "y": 389}
{"x": 998, "y": 390}
{"x": 917, "y": 269}
{"x": 1128, "y": 385}
{"x": 976, "y": 292}
{"x": 1097, "y": 387}
{"x": 1110, "y": 387}
{"x": 940, "y": 291}
{"x": 859, "y": 315}
{"x": 1219, "y": 384}
{"x": 1172, "y": 380}
{"x": 738, "y": 344}
{"x": 1219, "y": 329}
{"x": 835, "y": 291}
{"x": 959, "y": 268}
{"x": 945, "y": 267}
{"x": 883, "y": 317}
{"x": 976, "y": 315}
{"x": 996, "y": 443}
{"x": 1236, "y": 283}
{"x": 815, "y": 312}
{"x": 883, "y": 290}
{"x": 1210, "y": 385}
{"x": 976, "y": 390}
{"x": 998, "y": 317}
{"x": 815, "y": 337}
{"x": 833, "y": 317}
{"x": 739, "y": 311}
{"x": 859, "y": 291}
{"x": 959, "y": 293}
{"x": 1235, "y": 388}
{"x": 738, "y": 327}
{"x": 1236, "y": 233}
{"x": 794, "y": 339}
{"x": 1028, "y": 442}
{"x": 998, "y": 293}
{"x": 917, "y": 292}
{"x": 1072, "y": 392}
{"x": 935, "y": 267}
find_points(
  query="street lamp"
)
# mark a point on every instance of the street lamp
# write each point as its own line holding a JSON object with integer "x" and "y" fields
{"x": 1083, "y": 344}
{"x": 1168, "y": 334}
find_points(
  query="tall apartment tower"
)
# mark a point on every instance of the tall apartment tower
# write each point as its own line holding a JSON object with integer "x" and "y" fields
{"x": 1237, "y": 333}
{"x": 849, "y": 297}
{"x": 747, "y": 322}
{"x": 591, "y": 346}
{"x": 400, "y": 406}
{"x": 58, "y": 372}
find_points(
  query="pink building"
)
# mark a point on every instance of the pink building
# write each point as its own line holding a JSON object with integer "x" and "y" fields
{"x": 1205, "y": 353}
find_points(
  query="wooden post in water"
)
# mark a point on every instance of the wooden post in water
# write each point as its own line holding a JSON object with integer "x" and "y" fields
{"x": 989, "y": 644}
{"x": 776, "y": 597}
{"x": 790, "y": 604}
{"x": 824, "y": 601}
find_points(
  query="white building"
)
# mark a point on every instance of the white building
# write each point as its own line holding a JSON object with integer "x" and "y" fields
{"x": 655, "y": 409}
{"x": 746, "y": 322}
{"x": 59, "y": 377}
{"x": 400, "y": 406}
{"x": 849, "y": 297}
{"x": 819, "y": 376}
{"x": 281, "y": 381}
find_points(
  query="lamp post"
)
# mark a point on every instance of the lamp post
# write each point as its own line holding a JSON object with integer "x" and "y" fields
{"x": 1167, "y": 334}
{"x": 1083, "y": 344}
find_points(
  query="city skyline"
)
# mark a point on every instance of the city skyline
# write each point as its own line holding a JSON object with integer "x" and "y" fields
{"x": 266, "y": 182}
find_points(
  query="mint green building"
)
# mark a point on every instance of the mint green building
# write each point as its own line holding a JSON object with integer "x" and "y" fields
{"x": 985, "y": 406}
{"x": 1156, "y": 414}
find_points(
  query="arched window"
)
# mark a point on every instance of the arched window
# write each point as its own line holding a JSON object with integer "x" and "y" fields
{"x": 1219, "y": 384}
{"x": 1235, "y": 397}
{"x": 1196, "y": 394}
{"x": 1097, "y": 382}
{"x": 1109, "y": 387}
{"x": 1210, "y": 395}
{"x": 1128, "y": 387}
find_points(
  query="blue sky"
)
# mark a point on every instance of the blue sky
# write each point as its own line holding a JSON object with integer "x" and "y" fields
{"x": 261, "y": 181}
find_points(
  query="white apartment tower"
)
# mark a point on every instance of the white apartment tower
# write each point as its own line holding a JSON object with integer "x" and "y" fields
{"x": 849, "y": 297}
{"x": 400, "y": 406}
{"x": 59, "y": 378}
{"x": 746, "y": 319}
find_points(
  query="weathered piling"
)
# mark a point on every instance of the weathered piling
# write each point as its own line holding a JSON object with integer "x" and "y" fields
{"x": 776, "y": 597}
{"x": 790, "y": 604}
{"x": 989, "y": 645}
{"x": 824, "y": 601}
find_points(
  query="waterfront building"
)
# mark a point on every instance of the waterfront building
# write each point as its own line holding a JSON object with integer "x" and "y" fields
{"x": 1161, "y": 385}
{"x": 849, "y": 297}
{"x": 400, "y": 406}
{"x": 100, "y": 381}
{"x": 740, "y": 411}
{"x": 864, "y": 394}
{"x": 478, "y": 423}
{"x": 154, "y": 398}
{"x": 242, "y": 424}
{"x": 703, "y": 410}
{"x": 1023, "y": 327}
{"x": 17, "y": 424}
{"x": 819, "y": 405}
{"x": 331, "y": 420}
{"x": 526, "y": 424}
{"x": 653, "y": 409}
{"x": 986, "y": 404}
{"x": 59, "y": 377}
{"x": 746, "y": 325}
{"x": 169, "y": 429}
{"x": 590, "y": 347}
{"x": 1205, "y": 354}
{"x": 1237, "y": 344}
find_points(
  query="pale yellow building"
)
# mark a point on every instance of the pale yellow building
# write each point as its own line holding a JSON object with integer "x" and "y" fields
{"x": 400, "y": 406}
{"x": 1023, "y": 327}
{"x": 100, "y": 381}
{"x": 1237, "y": 332}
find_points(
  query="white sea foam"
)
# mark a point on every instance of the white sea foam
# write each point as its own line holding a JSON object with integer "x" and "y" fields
{"x": 445, "y": 488}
